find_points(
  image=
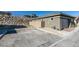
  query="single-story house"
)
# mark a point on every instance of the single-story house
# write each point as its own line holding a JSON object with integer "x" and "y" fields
{"x": 57, "y": 21}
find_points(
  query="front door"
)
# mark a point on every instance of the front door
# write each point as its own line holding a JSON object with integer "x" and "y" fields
{"x": 42, "y": 23}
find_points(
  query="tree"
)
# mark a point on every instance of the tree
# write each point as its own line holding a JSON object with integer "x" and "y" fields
{"x": 31, "y": 16}
{"x": 5, "y": 13}
{"x": 34, "y": 16}
{"x": 27, "y": 16}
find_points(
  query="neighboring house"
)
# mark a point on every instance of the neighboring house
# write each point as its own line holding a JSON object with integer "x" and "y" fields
{"x": 57, "y": 21}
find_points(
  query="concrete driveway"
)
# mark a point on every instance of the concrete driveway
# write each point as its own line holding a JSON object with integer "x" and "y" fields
{"x": 29, "y": 38}
{"x": 71, "y": 40}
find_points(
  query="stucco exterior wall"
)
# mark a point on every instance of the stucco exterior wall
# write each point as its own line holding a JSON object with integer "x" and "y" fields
{"x": 35, "y": 23}
{"x": 48, "y": 22}
{"x": 56, "y": 22}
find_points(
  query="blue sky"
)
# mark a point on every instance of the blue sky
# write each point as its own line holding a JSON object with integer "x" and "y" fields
{"x": 41, "y": 13}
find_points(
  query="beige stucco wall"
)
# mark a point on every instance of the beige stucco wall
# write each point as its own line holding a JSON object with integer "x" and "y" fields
{"x": 56, "y": 22}
{"x": 48, "y": 22}
{"x": 35, "y": 23}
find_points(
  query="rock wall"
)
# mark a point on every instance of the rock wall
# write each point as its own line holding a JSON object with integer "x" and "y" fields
{"x": 14, "y": 20}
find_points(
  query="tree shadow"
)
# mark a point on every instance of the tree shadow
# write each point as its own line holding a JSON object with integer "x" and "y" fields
{"x": 9, "y": 29}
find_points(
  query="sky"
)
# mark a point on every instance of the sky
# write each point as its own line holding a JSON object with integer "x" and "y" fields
{"x": 42, "y": 13}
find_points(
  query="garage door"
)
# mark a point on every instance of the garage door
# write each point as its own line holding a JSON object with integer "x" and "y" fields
{"x": 65, "y": 23}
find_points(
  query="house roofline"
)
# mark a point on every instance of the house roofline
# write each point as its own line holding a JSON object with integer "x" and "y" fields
{"x": 53, "y": 15}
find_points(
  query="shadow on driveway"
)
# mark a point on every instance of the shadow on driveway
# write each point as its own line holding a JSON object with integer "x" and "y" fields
{"x": 9, "y": 29}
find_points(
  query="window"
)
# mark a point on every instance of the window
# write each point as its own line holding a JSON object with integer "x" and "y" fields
{"x": 51, "y": 18}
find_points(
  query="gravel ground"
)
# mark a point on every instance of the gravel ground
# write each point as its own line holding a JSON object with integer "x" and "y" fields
{"x": 29, "y": 38}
